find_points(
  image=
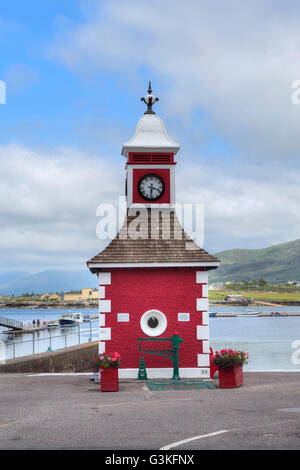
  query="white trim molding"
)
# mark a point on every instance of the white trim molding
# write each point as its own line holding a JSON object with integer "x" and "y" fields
{"x": 203, "y": 360}
{"x": 207, "y": 264}
{"x": 104, "y": 306}
{"x": 202, "y": 276}
{"x": 166, "y": 373}
{"x": 202, "y": 332}
{"x": 204, "y": 290}
{"x": 104, "y": 278}
{"x": 205, "y": 318}
{"x": 205, "y": 346}
{"x": 105, "y": 334}
{"x": 101, "y": 319}
{"x": 202, "y": 304}
{"x": 101, "y": 292}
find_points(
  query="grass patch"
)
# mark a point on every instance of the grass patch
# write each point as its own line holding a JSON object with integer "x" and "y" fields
{"x": 218, "y": 296}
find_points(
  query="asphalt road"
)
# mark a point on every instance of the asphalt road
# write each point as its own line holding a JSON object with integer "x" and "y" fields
{"x": 69, "y": 412}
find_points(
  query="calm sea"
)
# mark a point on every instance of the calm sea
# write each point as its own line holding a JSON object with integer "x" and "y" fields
{"x": 273, "y": 343}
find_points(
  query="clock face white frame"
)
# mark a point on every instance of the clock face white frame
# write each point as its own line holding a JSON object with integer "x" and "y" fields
{"x": 151, "y": 187}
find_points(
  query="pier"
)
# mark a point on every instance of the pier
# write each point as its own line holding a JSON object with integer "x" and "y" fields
{"x": 262, "y": 314}
{"x": 20, "y": 328}
{"x": 10, "y": 323}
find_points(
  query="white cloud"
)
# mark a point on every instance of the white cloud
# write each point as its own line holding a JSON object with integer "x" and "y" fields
{"x": 48, "y": 202}
{"x": 49, "y": 198}
{"x": 241, "y": 209}
{"x": 235, "y": 60}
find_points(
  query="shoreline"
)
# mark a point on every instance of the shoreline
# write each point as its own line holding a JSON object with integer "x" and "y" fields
{"x": 257, "y": 303}
{"x": 94, "y": 304}
{"x": 39, "y": 305}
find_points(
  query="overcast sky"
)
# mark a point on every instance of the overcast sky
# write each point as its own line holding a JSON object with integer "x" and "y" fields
{"x": 74, "y": 75}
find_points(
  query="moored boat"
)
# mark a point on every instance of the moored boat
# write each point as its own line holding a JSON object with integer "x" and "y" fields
{"x": 52, "y": 325}
{"x": 249, "y": 313}
{"x": 69, "y": 319}
{"x": 278, "y": 314}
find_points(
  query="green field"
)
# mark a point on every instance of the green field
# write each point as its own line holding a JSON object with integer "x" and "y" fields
{"x": 26, "y": 299}
{"x": 218, "y": 296}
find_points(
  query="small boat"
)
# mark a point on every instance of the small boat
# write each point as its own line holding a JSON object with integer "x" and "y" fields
{"x": 52, "y": 325}
{"x": 212, "y": 314}
{"x": 249, "y": 313}
{"x": 278, "y": 314}
{"x": 70, "y": 319}
{"x": 9, "y": 333}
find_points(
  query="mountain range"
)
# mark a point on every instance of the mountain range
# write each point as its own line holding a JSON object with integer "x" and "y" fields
{"x": 19, "y": 282}
{"x": 277, "y": 263}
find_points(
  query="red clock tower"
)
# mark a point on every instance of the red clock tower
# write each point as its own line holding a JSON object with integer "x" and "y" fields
{"x": 153, "y": 279}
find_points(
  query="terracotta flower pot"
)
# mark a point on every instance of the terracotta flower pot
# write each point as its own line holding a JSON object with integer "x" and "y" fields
{"x": 109, "y": 379}
{"x": 231, "y": 378}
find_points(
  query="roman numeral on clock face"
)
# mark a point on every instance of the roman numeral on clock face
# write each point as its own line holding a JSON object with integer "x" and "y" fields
{"x": 151, "y": 187}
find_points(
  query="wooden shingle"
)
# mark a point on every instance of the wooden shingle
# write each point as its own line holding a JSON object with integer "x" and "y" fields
{"x": 152, "y": 238}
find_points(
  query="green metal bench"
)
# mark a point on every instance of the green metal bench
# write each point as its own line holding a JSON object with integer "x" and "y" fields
{"x": 171, "y": 353}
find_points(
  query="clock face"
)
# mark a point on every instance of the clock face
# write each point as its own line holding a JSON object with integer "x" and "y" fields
{"x": 151, "y": 187}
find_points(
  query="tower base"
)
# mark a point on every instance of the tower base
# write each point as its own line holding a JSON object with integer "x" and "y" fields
{"x": 167, "y": 373}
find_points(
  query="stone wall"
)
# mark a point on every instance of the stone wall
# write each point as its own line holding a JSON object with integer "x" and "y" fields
{"x": 73, "y": 359}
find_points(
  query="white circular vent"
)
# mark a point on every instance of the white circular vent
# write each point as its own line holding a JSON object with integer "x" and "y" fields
{"x": 153, "y": 323}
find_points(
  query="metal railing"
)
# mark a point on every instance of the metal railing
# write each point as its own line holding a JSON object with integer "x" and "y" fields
{"x": 10, "y": 323}
{"x": 58, "y": 341}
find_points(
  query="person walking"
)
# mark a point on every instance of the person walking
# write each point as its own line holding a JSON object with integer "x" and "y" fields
{"x": 38, "y": 323}
{"x": 33, "y": 323}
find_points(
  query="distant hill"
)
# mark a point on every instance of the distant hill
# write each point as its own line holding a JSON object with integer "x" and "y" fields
{"x": 46, "y": 281}
{"x": 275, "y": 263}
{"x": 11, "y": 276}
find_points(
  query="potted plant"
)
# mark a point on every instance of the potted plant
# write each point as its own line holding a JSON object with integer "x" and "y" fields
{"x": 230, "y": 366}
{"x": 108, "y": 364}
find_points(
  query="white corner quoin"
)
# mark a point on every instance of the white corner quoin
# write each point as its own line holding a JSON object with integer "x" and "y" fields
{"x": 104, "y": 279}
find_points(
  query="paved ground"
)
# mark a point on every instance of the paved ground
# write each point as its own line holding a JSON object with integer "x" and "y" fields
{"x": 69, "y": 412}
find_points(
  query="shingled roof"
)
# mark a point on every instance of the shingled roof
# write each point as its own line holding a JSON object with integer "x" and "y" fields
{"x": 152, "y": 237}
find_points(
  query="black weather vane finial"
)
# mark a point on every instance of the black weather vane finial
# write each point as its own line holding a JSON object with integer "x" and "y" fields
{"x": 149, "y": 100}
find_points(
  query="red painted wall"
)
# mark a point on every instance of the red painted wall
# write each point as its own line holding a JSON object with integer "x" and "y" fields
{"x": 169, "y": 290}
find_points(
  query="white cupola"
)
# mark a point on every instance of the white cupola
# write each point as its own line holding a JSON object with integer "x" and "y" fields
{"x": 150, "y": 135}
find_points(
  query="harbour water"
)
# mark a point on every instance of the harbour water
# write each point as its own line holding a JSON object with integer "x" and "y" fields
{"x": 45, "y": 339}
{"x": 273, "y": 343}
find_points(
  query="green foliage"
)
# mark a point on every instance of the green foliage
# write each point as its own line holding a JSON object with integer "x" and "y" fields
{"x": 227, "y": 358}
{"x": 277, "y": 263}
{"x": 256, "y": 295}
{"x": 104, "y": 360}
